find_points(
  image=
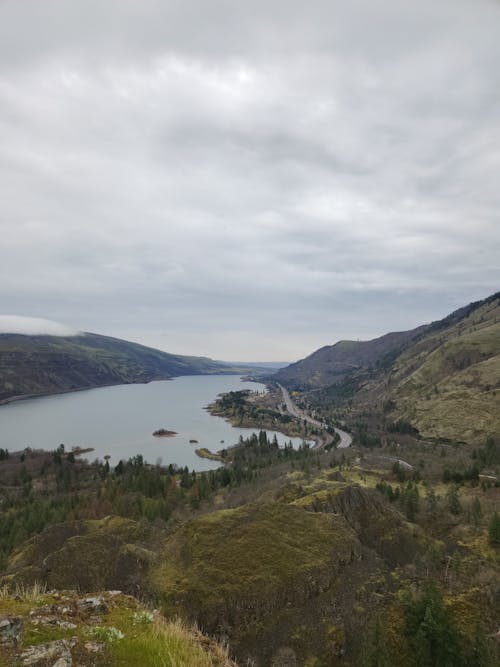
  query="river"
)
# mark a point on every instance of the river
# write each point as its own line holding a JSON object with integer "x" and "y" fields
{"x": 119, "y": 421}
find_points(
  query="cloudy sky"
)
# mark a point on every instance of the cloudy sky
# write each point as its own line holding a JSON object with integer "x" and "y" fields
{"x": 248, "y": 180}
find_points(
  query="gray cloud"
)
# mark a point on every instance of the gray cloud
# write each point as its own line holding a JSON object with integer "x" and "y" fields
{"x": 248, "y": 180}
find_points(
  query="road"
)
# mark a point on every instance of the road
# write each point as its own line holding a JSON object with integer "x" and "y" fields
{"x": 345, "y": 438}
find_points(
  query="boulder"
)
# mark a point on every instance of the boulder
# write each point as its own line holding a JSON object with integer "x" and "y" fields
{"x": 10, "y": 630}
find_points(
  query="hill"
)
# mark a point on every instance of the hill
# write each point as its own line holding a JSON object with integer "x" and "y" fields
{"x": 289, "y": 556}
{"x": 334, "y": 363}
{"x": 448, "y": 383}
{"x": 31, "y": 365}
{"x": 442, "y": 378}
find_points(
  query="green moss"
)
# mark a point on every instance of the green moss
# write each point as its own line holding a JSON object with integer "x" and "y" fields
{"x": 254, "y": 552}
{"x": 86, "y": 555}
{"x": 43, "y": 633}
{"x": 320, "y": 498}
{"x": 11, "y": 607}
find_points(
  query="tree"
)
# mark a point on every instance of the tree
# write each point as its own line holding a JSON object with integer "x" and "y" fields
{"x": 431, "y": 499}
{"x": 431, "y": 632}
{"x": 476, "y": 511}
{"x": 453, "y": 502}
{"x": 494, "y": 531}
{"x": 409, "y": 500}
{"x": 376, "y": 652}
{"x": 481, "y": 651}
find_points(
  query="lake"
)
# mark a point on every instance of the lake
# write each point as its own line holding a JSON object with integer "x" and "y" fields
{"x": 119, "y": 421}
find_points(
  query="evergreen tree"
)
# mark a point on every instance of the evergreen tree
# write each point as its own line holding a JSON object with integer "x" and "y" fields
{"x": 476, "y": 511}
{"x": 431, "y": 633}
{"x": 410, "y": 500}
{"x": 494, "y": 531}
{"x": 481, "y": 651}
{"x": 376, "y": 652}
{"x": 454, "y": 505}
{"x": 431, "y": 499}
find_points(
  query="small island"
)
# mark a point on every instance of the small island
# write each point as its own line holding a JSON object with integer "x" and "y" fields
{"x": 164, "y": 433}
{"x": 193, "y": 441}
{"x": 205, "y": 453}
{"x": 77, "y": 451}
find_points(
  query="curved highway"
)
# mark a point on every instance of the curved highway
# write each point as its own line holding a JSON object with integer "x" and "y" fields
{"x": 345, "y": 438}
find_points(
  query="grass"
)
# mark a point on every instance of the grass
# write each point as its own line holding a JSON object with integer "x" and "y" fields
{"x": 24, "y": 592}
{"x": 451, "y": 391}
{"x": 131, "y": 635}
{"x": 253, "y": 553}
{"x": 19, "y": 598}
{"x": 80, "y": 554}
{"x": 163, "y": 644}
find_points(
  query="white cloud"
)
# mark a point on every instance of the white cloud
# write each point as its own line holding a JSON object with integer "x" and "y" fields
{"x": 33, "y": 326}
{"x": 326, "y": 167}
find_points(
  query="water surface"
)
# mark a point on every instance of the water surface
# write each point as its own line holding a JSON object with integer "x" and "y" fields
{"x": 119, "y": 421}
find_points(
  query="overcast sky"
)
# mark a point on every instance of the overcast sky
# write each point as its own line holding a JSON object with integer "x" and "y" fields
{"x": 248, "y": 180}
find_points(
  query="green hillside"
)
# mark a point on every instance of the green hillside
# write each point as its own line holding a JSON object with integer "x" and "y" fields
{"x": 448, "y": 384}
{"x": 333, "y": 364}
{"x": 289, "y": 560}
{"x": 442, "y": 378}
{"x": 31, "y": 365}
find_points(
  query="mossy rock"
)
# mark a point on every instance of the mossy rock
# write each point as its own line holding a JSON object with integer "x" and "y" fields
{"x": 235, "y": 566}
{"x": 83, "y": 555}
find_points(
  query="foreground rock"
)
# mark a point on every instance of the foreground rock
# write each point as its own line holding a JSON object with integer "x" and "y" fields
{"x": 62, "y": 629}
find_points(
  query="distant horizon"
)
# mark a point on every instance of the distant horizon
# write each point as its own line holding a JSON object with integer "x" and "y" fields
{"x": 33, "y": 326}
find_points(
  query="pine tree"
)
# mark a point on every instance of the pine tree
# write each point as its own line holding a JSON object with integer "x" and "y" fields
{"x": 476, "y": 511}
{"x": 376, "y": 652}
{"x": 453, "y": 502}
{"x": 494, "y": 531}
{"x": 481, "y": 652}
{"x": 431, "y": 632}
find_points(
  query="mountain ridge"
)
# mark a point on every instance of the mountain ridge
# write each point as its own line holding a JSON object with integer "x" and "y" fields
{"x": 441, "y": 377}
{"x": 32, "y": 365}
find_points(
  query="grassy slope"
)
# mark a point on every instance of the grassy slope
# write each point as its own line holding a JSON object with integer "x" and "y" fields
{"x": 332, "y": 363}
{"x": 448, "y": 385}
{"x": 88, "y": 555}
{"x": 46, "y": 364}
{"x": 443, "y": 378}
{"x": 146, "y": 638}
{"x": 303, "y": 557}
{"x": 254, "y": 557}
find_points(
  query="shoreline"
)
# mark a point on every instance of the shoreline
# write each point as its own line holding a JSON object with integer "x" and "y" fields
{"x": 205, "y": 453}
{"x": 318, "y": 440}
{"x": 44, "y": 394}
{"x": 287, "y": 429}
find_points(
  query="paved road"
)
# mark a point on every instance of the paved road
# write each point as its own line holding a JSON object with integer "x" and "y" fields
{"x": 345, "y": 438}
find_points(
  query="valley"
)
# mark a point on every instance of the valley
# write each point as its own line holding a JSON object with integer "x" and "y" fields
{"x": 336, "y": 551}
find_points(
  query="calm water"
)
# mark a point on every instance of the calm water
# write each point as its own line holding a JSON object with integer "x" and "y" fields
{"x": 119, "y": 421}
